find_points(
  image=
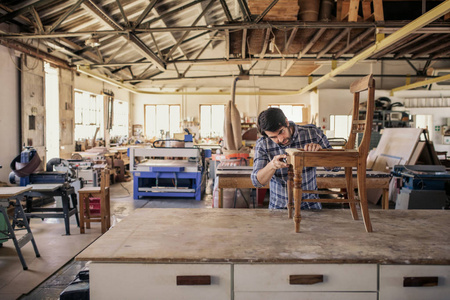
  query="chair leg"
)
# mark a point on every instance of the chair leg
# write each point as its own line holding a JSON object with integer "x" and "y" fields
{"x": 361, "y": 175}
{"x": 351, "y": 191}
{"x": 290, "y": 188}
{"x": 297, "y": 197}
{"x": 81, "y": 210}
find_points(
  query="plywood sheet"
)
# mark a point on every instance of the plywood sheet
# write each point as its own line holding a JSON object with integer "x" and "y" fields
{"x": 302, "y": 69}
{"x": 396, "y": 147}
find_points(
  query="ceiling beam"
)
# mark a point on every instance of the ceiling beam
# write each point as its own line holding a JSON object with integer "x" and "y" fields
{"x": 432, "y": 50}
{"x": 355, "y": 41}
{"x": 144, "y": 13}
{"x": 226, "y": 10}
{"x": 10, "y": 16}
{"x": 419, "y": 47}
{"x": 244, "y": 43}
{"x": 265, "y": 44}
{"x": 64, "y": 16}
{"x": 264, "y": 13}
{"x": 135, "y": 41}
{"x": 290, "y": 40}
{"x": 186, "y": 33}
{"x": 236, "y": 26}
{"x": 244, "y": 9}
{"x": 421, "y": 21}
{"x": 122, "y": 12}
{"x": 333, "y": 42}
{"x": 304, "y": 50}
{"x": 170, "y": 12}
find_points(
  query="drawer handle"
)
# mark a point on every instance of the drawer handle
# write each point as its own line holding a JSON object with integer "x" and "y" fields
{"x": 194, "y": 280}
{"x": 420, "y": 281}
{"x": 305, "y": 279}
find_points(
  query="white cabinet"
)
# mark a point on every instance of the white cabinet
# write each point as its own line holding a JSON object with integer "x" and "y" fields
{"x": 305, "y": 296}
{"x": 159, "y": 281}
{"x": 411, "y": 282}
{"x": 276, "y": 277}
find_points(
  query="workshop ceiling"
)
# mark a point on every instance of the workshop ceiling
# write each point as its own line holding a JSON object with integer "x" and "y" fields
{"x": 151, "y": 43}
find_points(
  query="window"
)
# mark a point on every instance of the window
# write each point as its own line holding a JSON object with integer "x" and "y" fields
{"x": 292, "y": 112}
{"x": 88, "y": 115}
{"x": 160, "y": 119}
{"x": 341, "y": 125}
{"x": 425, "y": 122}
{"x": 120, "y": 119}
{"x": 211, "y": 120}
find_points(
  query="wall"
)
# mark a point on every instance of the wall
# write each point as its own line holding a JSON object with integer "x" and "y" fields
{"x": 9, "y": 112}
{"x": 248, "y": 105}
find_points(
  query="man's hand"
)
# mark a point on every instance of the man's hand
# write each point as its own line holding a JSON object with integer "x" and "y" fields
{"x": 312, "y": 147}
{"x": 279, "y": 162}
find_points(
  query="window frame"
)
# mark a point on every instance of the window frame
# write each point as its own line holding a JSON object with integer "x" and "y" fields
{"x": 156, "y": 105}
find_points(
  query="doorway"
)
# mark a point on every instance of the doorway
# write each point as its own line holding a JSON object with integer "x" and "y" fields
{"x": 51, "y": 112}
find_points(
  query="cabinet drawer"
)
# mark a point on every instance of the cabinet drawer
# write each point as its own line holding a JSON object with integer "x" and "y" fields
{"x": 305, "y": 296}
{"x": 414, "y": 282}
{"x": 159, "y": 281}
{"x": 306, "y": 277}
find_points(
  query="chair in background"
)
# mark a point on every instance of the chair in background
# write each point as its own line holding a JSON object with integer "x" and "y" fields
{"x": 349, "y": 157}
{"x": 95, "y": 204}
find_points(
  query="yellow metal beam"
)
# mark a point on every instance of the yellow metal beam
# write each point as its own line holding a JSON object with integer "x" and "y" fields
{"x": 420, "y": 83}
{"x": 418, "y": 23}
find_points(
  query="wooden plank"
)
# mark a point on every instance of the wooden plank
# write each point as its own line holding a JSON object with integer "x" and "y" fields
{"x": 353, "y": 11}
{"x": 11, "y": 191}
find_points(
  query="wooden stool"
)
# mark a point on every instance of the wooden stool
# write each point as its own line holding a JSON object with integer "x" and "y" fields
{"x": 349, "y": 157}
{"x": 101, "y": 192}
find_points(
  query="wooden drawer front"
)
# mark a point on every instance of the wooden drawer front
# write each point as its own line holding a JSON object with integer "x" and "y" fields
{"x": 336, "y": 277}
{"x": 394, "y": 277}
{"x": 305, "y": 296}
{"x": 159, "y": 281}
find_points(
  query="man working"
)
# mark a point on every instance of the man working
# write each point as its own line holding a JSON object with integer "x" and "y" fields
{"x": 269, "y": 160}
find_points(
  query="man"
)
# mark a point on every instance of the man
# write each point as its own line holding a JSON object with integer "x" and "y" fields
{"x": 269, "y": 164}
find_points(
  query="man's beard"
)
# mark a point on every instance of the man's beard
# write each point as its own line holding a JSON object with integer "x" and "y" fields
{"x": 286, "y": 142}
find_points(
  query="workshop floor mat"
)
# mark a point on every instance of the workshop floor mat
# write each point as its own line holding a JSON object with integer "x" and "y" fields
{"x": 55, "y": 249}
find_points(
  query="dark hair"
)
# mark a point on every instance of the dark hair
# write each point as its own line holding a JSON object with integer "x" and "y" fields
{"x": 271, "y": 119}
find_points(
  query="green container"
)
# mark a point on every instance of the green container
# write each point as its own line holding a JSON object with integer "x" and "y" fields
{"x": 3, "y": 228}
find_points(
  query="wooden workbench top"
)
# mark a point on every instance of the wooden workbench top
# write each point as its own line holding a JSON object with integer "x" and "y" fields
{"x": 11, "y": 191}
{"x": 261, "y": 235}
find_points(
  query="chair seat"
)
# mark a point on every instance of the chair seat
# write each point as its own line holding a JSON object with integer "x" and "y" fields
{"x": 91, "y": 189}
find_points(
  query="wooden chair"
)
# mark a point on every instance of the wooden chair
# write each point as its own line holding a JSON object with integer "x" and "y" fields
{"x": 348, "y": 158}
{"x": 102, "y": 192}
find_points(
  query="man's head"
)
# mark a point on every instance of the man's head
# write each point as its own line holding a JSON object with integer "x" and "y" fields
{"x": 273, "y": 124}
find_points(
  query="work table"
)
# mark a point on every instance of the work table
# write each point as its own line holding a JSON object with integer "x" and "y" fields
{"x": 253, "y": 236}
{"x": 243, "y": 254}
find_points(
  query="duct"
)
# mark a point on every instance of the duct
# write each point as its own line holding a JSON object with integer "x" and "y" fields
{"x": 418, "y": 23}
{"x": 420, "y": 83}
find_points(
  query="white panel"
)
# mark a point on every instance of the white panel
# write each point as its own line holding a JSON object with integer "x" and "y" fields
{"x": 391, "y": 282}
{"x": 305, "y": 296}
{"x": 337, "y": 277}
{"x": 157, "y": 281}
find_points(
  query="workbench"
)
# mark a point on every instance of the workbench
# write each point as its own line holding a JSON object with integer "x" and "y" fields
{"x": 240, "y": 178}
{"x": 255, "y": 254}
{"x": 63, "y": 190}
{"x": 17, "y": 193}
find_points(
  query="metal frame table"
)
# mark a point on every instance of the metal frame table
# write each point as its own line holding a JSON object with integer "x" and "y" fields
{"x": 17, "y": 193}
{"x": 65, "y": 191}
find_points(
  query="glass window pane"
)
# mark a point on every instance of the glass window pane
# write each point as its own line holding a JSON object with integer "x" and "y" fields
{"x": 150, "y": 117}
{"x": 162, "y": 120}
{"x": 175, "y": 119}
{"x": 217, "y": 119}
{"x": 205, "y": 120}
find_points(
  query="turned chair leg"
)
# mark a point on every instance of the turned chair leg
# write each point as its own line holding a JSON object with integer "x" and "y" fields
{"x": 361, "y": 175}
{"x": 290, "y": 188}
{"x": 351, "y": 191}
{"x": 298, "y": 193}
